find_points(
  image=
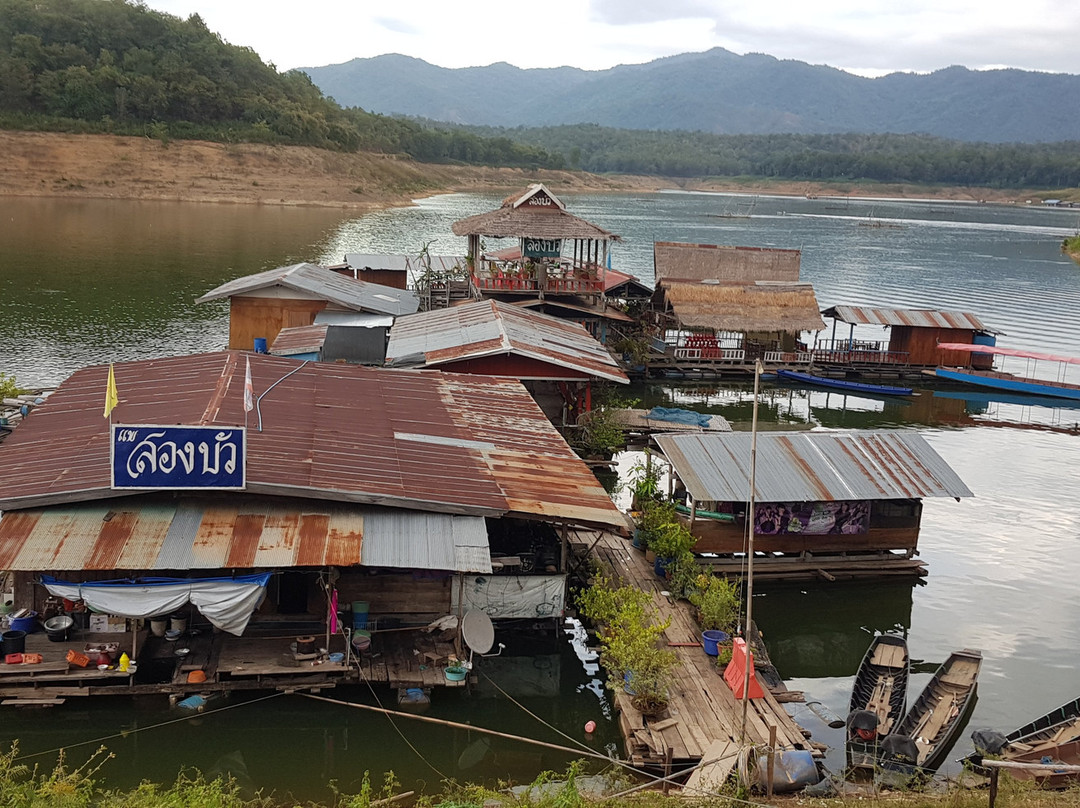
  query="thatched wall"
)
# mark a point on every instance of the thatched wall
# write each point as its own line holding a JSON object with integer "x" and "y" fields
{"x": 697, "y": 262}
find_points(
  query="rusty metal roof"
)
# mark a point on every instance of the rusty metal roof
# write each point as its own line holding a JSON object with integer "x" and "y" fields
{"x": 163, "y": 533}
{"x": 420, "y": 440}
{"x": 299, "y": 339}
{"x": 919, "y": 318}
{"x": 323, "y": 284}
{"x": 490, "y": 328}
{"x": 811, "y": 466}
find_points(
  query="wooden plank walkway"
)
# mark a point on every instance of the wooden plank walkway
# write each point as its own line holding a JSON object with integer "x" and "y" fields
{"x": 702, "y": 709}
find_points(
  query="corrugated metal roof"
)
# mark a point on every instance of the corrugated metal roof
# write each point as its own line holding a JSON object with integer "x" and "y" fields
{"x": 325, "y": 284}
{"x": 920, "y": 318}
{"x": 329, "y": 431}
{"x": 299, "y": 339}
{"x": 811, "y": 466}
{"x": 397, "y": 263}
{"x": 358, "y": 319}
{"x": 412, "y": 540}
{"x": 490, "y": 327}
{"x": 195, "y": 533}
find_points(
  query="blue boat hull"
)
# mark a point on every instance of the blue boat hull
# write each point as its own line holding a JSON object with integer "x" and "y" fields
{"x": 844, "y": 384}
{"x": 1012, "y": 385}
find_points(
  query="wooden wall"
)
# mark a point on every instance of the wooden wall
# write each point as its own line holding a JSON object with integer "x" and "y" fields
{"x": 251, "y": 317}
{"x": 395, "y": 595}
{"x": 921, "y": 345}
{"x": 727, "y": 537}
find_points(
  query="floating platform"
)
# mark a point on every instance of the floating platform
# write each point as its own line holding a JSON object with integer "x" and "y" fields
{"x": 399, "y": 658}
{"x": 702, "y": 710}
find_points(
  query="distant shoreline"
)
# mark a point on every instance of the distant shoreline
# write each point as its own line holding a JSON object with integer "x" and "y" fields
{"x": 56, "y": 165}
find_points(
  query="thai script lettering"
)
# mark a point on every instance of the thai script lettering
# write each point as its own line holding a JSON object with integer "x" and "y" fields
{"x": 178, "y": 457}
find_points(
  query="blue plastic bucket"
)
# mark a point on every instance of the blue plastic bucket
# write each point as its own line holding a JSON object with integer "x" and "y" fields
{"x": 260, "y": 344}
{"x": 359, "y": 613}
{"x": 28, "y": 623}
{"x": 711, "y": 639}
{"x": 660, "y": 566}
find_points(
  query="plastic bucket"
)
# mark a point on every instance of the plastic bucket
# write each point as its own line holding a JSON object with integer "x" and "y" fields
{"x": 178, "y": 622}
{"x": 359, "y": 613}
{"x": 660, "y": 566}
{"x": 455, "y": 674}
{"x": 25, "y": 624}
{"x": 12, "y": 642}
{"x": 361, "y": 640}
{"x": 260, "y": 344}
{"x": 711, "y": 639}
{"x": 158, "y": 626}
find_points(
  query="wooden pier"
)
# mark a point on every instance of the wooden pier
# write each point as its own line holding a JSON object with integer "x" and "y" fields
{"x": 702, "y": 710}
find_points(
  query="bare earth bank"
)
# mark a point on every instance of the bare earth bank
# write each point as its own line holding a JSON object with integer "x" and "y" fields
{"x": 46, "y": 164}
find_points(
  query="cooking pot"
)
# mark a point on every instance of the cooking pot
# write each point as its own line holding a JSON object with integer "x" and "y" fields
{"x": 59, "y": 627}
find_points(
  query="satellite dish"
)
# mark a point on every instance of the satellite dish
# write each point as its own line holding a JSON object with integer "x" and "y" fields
{"x": 478, "y": 632}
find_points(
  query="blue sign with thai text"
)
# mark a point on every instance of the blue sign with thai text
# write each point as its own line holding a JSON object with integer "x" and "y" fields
{"x": 178, "y": 456}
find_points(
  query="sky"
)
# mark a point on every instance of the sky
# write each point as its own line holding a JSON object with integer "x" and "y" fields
{"x": 868, "y": 37}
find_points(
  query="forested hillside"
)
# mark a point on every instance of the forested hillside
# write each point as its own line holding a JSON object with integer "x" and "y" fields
{"x": 116, "y": 67}
{"x": 918, "y": 159}
{"x": 719, "y": 92}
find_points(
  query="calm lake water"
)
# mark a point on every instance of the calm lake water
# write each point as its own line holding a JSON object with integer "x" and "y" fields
{"x": 90, "y": 282}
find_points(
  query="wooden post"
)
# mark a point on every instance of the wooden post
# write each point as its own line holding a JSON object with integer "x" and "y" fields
{"x": 564, "y": 540}
{"x": 993, "y": 785}
{"x": 668, "y": 756}
{"x": 772, "y": 760}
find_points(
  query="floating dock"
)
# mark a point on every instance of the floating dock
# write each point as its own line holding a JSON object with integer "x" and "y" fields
{"x": 702, "y": 710}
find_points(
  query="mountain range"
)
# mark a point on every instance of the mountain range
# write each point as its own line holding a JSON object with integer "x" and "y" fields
{"x": 720, "y": 92}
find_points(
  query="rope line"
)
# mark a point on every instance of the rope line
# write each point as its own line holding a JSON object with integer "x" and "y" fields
{"x": 125, "y": 733}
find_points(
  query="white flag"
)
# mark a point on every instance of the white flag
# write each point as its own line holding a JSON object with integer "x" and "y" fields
{"x": 249, "y": 391}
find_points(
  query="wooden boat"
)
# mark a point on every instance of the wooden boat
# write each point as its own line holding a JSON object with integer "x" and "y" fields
{"x": 844, "y": 384}
{"x": 1009, "y": 382}
{"x": 880, "y": 689}
{"x": 1067, "y": 753}
{"x": 940, "y": 712}
{"x": 1043, "y": 736}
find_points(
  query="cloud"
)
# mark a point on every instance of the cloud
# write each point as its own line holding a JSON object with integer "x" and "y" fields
{"x": 397, "y": 26}
{"x": 634, "y": 12}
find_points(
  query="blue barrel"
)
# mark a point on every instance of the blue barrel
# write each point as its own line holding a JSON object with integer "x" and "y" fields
{"x": 260, "y": 344}
{"x": 984, "y": 339}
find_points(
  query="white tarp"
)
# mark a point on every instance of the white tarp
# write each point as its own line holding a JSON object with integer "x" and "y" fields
{"x": 503, "y": 596}
{"x": 227, "y": 603}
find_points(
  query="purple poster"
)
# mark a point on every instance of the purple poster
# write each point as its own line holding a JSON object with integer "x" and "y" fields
{"x": 813, "y": 518}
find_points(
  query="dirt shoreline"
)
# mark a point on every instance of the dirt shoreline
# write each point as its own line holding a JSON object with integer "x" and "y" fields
{"x": 46, "y": 164}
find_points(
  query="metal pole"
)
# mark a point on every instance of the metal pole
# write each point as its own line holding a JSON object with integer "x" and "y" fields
{"x": 750, "y": 549}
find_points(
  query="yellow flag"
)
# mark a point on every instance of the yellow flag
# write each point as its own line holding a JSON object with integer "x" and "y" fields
{"x": 111, "y": 398}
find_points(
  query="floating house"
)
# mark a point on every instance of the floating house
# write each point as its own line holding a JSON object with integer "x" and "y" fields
{"x": 828, "y": 505}
{"x": 261, "y": 305}
{"x": 557, "y": 360}
{"x": 418, "y": 494}
{"x": 914, "y": 335}
{"x": 717, "y": 304}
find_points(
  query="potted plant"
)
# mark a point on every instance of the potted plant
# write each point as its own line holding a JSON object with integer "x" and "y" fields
{"x": 669, "y": 542}
{"x": 631, "y": 637}
{"x": 717, "y": 602}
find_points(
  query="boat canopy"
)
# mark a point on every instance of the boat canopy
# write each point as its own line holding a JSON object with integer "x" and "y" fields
{"x": 993, "y": 349}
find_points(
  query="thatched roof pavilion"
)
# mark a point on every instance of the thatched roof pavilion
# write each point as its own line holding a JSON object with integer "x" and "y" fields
{"x": 541, "y": 223}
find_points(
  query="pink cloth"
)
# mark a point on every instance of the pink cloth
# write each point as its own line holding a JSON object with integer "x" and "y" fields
{"x": 333, "y": 612}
